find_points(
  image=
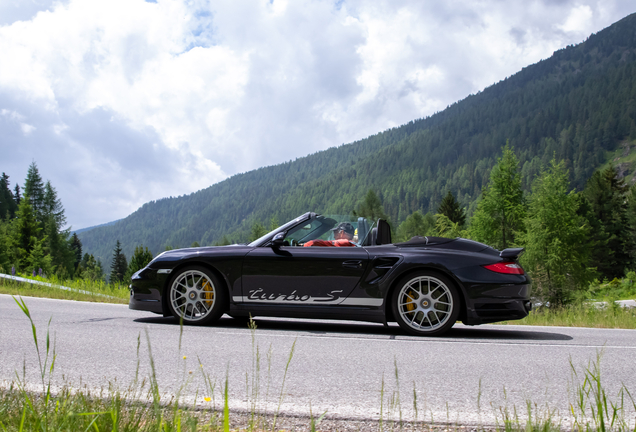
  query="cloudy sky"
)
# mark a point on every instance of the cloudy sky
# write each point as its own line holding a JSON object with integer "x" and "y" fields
{"x": 120, "y": 102}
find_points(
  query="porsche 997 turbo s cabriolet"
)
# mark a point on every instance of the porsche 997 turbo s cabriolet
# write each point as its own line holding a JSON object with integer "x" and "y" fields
{"x": 338, "y": 267}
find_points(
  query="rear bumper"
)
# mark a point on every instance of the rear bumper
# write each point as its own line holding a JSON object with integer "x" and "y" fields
{"x": 493, "y": 303}
{"x": 502, "y": 310}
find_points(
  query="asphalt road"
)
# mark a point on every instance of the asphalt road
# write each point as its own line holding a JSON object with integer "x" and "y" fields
{"x": 338, "y": 367}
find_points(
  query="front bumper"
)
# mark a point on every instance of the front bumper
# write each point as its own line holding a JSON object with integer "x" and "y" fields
{"x": 146, "y": 290}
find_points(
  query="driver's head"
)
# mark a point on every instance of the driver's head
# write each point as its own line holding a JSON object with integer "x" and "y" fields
{"x": 343, "y": 230}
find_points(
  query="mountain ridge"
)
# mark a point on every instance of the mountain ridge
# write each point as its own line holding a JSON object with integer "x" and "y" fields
{"x": 578, "y": 105}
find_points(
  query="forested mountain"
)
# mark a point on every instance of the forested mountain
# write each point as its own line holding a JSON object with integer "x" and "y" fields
{"x": 579, "y": 105}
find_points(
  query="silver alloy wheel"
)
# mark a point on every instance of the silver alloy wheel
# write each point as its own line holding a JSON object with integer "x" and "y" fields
{"x": 425, "y": 303}
{"x": 192, "y": 295}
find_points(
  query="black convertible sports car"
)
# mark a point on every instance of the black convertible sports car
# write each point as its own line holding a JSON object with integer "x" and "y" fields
{"x": 425, "y": 284}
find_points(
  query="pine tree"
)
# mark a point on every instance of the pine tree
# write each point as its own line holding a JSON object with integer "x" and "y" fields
{"x": 119, "y": 265}
{"x": 557, "y": 238}
{"x": 89, "y": 268}
{"x": 140, "y": 259}
{"x": 38, "y": 261}
{"x": 17, "y": 196}
{"x": 5, "y": 246}
{"x": 59, "y": 250}
{"x": 52, "y": 207}
{"x": 631, "y": 213}
{"x": 614, "y": 242}
{"x": 450, "y": 208}
{"x": 500, "y": 213}
{"x": 257, "y": 231}
{"x": 371, "y": 207}
{"x": 444, "y": 227}
{"x": 7, "y": 202}
{"x": 76, "y": 248}
{"x": 34, "y": 189}
{"x": 25, "y": 231}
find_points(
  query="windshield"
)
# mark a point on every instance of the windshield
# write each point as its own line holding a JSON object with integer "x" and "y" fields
{"x": 320, "y": 227}
{"x": 279, "y": 229}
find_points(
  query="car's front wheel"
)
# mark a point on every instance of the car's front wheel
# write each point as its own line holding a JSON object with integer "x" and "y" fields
{"x": 426, "y": 304}
{"x": 196, "y": 296}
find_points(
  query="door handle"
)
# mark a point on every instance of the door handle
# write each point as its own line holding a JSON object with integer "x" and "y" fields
{"x": 354, "y": 264}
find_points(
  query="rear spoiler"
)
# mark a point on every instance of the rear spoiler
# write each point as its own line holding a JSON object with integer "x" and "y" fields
{"x": 511, "y": 253}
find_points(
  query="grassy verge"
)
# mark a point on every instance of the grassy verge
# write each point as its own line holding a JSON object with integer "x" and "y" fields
{"x": 82, "y": 290}
{"x": 591, "y": 315}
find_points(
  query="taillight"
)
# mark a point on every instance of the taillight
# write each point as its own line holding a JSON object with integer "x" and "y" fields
{"x": 506, "y": 268}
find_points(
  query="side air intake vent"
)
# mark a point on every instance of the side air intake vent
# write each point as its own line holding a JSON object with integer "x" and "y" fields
{"x": 379, "y": 268}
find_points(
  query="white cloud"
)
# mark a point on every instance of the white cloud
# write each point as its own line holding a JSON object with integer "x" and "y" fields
{"x": 125, "y": 101}
{"x": 17, "y": 118}
{"x": 578, "y": 20}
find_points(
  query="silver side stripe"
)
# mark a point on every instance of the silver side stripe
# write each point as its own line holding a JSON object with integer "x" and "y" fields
{"x": 351, "y": 301}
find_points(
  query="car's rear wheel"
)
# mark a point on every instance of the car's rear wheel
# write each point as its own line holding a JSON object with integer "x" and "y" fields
{"x": 426, "y": 304}
{"x": 196, "y": 296}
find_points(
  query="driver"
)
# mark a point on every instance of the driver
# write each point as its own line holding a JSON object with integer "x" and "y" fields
{"x": 343, "y": 234}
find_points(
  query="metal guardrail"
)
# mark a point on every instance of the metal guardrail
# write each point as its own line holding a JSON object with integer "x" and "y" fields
{"x": 35, "y": 282}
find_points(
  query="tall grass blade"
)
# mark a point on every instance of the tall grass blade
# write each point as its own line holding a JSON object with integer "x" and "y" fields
{"x": 226, "y": 406}
{"x": 282, "y": 387}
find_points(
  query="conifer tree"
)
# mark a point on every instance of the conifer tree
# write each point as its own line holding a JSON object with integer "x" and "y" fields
{"x": 450, "y": 208}
{"x": 76, "y": 248}
{"x": 17, "y": 195}
{"x": 371, "y": 207}
{"x": 140, "y": 259}
{"x": 34, "y": 189}
{"x": 25, "y": 231}
{"x": 119, "y": 265}
{"x": 444, "y": 227}
{"x": 273, "y": 223}
{"x": 5, "y": 246}
{"x": 557, "y": 238}
{"x": 500, "y": 213}
{"x": 7, "y": 202}
{"x": 58, "y": 249}
{"x": 631, "y": 214}
{"x": 38, "y": 261}
{"x": 614, "y": 242}
{"x": 52, "y": 207}
{"x": 257, "y": 231}
{"x": 89, "y": 268}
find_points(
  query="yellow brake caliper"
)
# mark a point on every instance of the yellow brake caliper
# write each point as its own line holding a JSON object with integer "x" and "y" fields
{"x": 410, "y": 306}
{"x": 208, "y": 293}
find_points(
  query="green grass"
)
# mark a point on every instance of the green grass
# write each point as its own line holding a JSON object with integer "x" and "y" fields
{"x": 616, "y": 289}
{"x": 582, "y": 315}
{"x": 94, "y": 291}
{"x": 595, "y": 307}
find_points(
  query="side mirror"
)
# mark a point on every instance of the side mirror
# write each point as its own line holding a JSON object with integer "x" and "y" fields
{"x": 278, "y": 240}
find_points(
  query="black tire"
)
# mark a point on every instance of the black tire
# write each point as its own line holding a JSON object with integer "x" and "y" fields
{"x": 426, "y": 304}
{"x": 196, "y": 295}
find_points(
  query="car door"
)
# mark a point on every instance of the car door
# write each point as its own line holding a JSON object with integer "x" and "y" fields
{"x": 302, "y": 275}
